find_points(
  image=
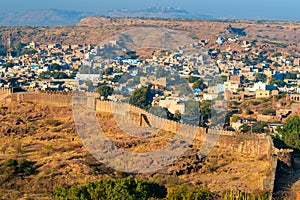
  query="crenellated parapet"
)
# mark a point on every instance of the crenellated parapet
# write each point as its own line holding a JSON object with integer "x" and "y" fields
{"x": 5, "y": 93}
{"x": 286, "y": 157}
{"x": 53, "y": 92}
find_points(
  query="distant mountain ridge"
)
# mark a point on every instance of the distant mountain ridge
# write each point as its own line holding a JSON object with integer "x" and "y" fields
{"x": 51, "y": 17}
{"x": 56, "y": 17}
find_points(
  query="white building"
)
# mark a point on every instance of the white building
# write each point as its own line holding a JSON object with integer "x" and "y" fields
{"x": 259, "y": 86}
{"x": 229, "y": 86}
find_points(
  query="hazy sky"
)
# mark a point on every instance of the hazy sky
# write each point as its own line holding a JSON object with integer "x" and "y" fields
{"x": 253, "y": 9}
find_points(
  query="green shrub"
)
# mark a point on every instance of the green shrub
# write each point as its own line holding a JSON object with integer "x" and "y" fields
{"x": 255, "y": 103}
{"x": 19, "y": 167}
{"x": 26, "y": 167}
{"x": 11, "y": 163}
{"x": 182, "y": 193}
{"x": 127, "y": 188}
{"x": 268, "y": 111}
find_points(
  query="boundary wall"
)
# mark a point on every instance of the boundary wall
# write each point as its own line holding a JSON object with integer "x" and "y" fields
{"x": 258, "y": 144}
{"x": 244, "y": 143}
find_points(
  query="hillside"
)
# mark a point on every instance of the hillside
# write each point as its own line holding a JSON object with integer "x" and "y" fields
{"x": 93, "y": 30}
{"x": 40, "y": 150}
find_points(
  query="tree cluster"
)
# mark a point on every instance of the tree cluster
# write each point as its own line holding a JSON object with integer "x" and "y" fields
{"x": 142, "y": 97}
{"x": 291, "y": 132}
{"x": 127, "y": 188}
{"x": 55, "y": 75}
{"x": 105, "y": 91}
{"x": 131, "y": 189}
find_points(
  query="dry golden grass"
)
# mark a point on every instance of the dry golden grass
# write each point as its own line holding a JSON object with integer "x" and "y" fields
{"x": 46, "y": 136}
{"x": 231, "y": 170}
{"x": 129, "y": 142}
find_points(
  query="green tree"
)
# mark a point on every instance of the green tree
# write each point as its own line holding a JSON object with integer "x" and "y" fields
{"x": 184, "y": 193}
{"x": 108, "y": 71}
{"x": 259, "y": 127}
{"x": 260, "y": 77}
{"x": 291, "y": 76}
{"x": 199, "y": 84}
{"x": 141, "y": 97}
{"x": 126, "y": 188}
{"x": 291, "y": 132}
{"x": 105, "y": 90}
{"x": 55, "y": 66}
{"x": 278, "y": 82}
{"x": 245, "y": 128}
{"x": 56, "y": 75}
{"x": 239, "y": 195}
{"x": 205, "y": 113}
{"x": 280, "y": 96}
{"x": 224, "y": 78}
{"x": 3, "y": 50}
{"x": 9, "y": 65}
{"x": 276, "y": 64}
{"x": 116, "y": 78}
{"x": 277, "y": 54}
{"x": 268, "y": 111}
{"x": 19, "y": 49}
{"x": 160, "y": 72}
{"x": 193, "y": 79}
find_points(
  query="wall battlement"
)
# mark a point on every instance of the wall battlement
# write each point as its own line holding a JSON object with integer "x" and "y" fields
{"x": 4, "y": 93}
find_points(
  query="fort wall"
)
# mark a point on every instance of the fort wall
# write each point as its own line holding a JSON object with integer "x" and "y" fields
{"x": 43, "y": 98}
{"x": 233, "y": 141}
{"x": 258, "y": 144}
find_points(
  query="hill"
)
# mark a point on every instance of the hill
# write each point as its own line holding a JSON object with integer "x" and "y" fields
{"x": 278, "y": 36}
{"x": 40, "y": 150}
{"x": 56, "y": 17}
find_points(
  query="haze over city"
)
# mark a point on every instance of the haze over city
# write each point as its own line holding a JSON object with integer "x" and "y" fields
{"x": 230, "y": 9}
